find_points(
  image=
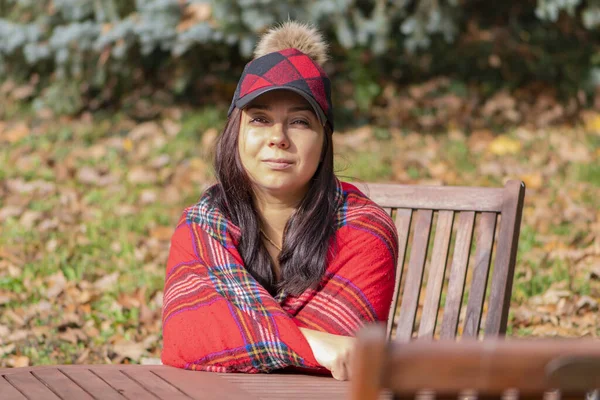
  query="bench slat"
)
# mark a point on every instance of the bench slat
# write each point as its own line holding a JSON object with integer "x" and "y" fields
{"x": 31, "y": 387}
{"x": 456, "y": 198}
{"x": 458, "y": 272}
{"x": 402, "y": 222}
{"x": 483, "y": 254}
{"x": 506, "y": 254}
{"x": 61, "y": 384}
{"x": 437, "y": 270}
{"x": 414, "y": 275}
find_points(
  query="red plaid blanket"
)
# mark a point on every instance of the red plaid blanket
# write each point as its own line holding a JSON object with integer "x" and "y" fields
{"x": 216, "y": 317}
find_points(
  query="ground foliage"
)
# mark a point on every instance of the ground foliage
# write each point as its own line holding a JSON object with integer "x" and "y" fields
{"x": 88, "y": 204}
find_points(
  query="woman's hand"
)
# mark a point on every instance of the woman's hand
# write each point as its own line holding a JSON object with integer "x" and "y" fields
{"x": 333, "y": 352}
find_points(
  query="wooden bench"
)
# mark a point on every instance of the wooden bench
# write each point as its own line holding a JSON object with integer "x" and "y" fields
{"x": 414, "y": 210}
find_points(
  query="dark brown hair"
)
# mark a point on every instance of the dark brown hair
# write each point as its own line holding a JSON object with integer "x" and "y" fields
{"x": 307, "y": 234}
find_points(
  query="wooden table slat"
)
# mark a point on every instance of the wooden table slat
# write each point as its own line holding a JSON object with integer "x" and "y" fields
{"x": 202, "y": 385}
{"x": 293, "y": 386}
{"x": 286, "y": 386}
{"x": 9, "y": 392}
{"x": 61, "y": 384}
{"x": 122, "y": 383}
{"x": 155, "y": 384}
{"x": 91, "y": 383}
{"x": 31, "y": 387}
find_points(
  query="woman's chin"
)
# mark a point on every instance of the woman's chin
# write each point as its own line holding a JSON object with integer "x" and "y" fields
{"x": 287, "y": 186}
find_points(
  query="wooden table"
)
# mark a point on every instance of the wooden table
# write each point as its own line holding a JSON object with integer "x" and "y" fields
{"x": 160, "y": 382}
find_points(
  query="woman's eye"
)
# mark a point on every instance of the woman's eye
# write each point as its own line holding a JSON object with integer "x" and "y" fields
{"x": 301, "y": 122}
{"x": 259, "y": 120}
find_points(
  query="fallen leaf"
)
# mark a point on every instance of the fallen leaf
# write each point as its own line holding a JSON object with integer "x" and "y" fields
{"x": 146, "y": 315}
{"x": 587, "y": 303}
{"x": 5, "y": 298}
{"x": 129, "y": 349}
{"x": 150, "y": 361}
{"x": 148, "y": 196}
{"x": 19, "y": 361}
{"x": 20, "y": 186}
{"x": 162, "y": 232}
{"x": 56, "y": 284}
{"x": 158, "y": 299}
{"x": 127, "y": 145}
{"x": 16, "y": 318}
{"x": 29, "y": 218}
{"x": 151, "y": 341}
{"x": 171, "y": 127}
{"x": 107, "y": 282}
{"x": 51, "y": 245}
{"x": 88, "y": 175}
{"x": 73, "y": 336}
{"x": 70, "y": 320}
{"x": 160, "y": 161}
{"x": 4, "y": 331}
{"x": 592, "y": 121}
{"x": 504, "y": 145}
{"x": 9, "y": 348}
{"x": 479, "y": 140}
{"x": 128, "y": 301}
{"x": 9, "y": 212}
{"x": 83, "y": 357}
{"x": 18, "y": 335}
{"x": 144, "y": 130}
{"x": 15, "y": 133}
{"x": 533, "y": 181}
{"x": 141, "y": 175}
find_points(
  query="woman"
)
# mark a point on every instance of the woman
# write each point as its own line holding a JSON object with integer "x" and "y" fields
{"x": 279, "y": 263}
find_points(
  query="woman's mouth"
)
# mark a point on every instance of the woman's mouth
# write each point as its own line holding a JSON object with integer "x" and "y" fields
{"x": 278, "y": 163}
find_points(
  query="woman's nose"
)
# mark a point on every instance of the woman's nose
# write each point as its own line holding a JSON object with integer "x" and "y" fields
{"x": 278, "y": 137}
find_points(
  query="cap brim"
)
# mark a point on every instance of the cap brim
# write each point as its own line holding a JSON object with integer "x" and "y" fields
{"x": 244, "y": 101}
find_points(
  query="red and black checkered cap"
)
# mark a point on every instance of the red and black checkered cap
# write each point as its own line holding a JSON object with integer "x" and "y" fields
{"x": 288, "y": 69}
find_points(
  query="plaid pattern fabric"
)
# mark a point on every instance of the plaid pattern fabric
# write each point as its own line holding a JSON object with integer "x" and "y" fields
{"x": 286, "y": 69}
{"x": 216, "y": 317}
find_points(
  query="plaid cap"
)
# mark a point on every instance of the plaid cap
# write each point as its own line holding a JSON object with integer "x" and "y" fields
{"x": 288, "y": 69}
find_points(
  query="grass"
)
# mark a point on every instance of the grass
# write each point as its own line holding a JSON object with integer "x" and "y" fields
{"x": 364, "y": 166}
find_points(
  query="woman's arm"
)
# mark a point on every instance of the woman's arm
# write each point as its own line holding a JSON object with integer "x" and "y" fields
{"x": 216, "y": 317}
{"x": 332, "y": 351}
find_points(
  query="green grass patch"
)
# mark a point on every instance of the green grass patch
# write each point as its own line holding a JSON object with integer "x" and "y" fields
{"x": 365, "y": 166}
{"x": 589, "y": 173}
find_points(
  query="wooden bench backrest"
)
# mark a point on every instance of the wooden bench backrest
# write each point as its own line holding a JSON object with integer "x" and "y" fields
{"x": 487, "y": 368}
{"x": 416, "y": 206}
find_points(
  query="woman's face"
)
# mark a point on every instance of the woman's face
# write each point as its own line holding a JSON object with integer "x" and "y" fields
{"x": 280, "y": 142}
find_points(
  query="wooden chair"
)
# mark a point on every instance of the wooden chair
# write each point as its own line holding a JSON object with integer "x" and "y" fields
{"x": 491, "y": 368}
{"x": 418, "y": 206}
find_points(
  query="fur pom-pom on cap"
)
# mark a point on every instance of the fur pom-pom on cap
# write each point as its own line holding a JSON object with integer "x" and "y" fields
{"x": 288, "y": 57}
{"x": 296, "y": 35}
